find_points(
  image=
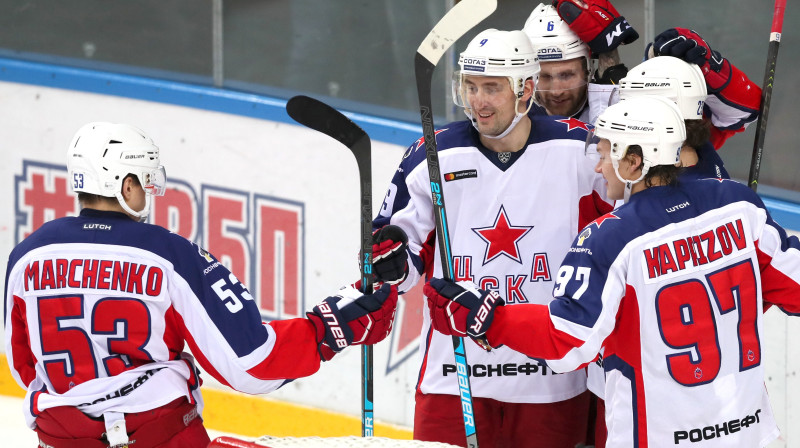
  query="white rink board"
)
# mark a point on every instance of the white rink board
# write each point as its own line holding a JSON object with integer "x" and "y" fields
{"x": 293, "y": 163}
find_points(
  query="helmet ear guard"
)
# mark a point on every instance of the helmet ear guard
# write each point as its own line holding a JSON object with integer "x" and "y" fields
{"x": 101, "y": 155}
{"x": 653, "y": 123}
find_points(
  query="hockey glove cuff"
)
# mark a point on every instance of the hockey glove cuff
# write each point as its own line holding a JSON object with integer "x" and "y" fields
{"x": 461, "y": 309}
{"x": 597, "y": 23}
{"x": 389, "y": 255}
{"x": 353, "y": 318}
{"x": 686, "y": 44}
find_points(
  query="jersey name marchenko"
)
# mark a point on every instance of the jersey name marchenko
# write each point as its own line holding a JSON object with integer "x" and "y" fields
{"x": 123, "y": 276}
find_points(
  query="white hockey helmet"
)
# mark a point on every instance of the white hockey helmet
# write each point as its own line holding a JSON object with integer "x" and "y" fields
{"x": 551, "y": 37}
{"x": 671, "y": 78}
{"x": 652, "y": 122}
{"x": 102, "y": 154}
{"x": 497, "y": 53}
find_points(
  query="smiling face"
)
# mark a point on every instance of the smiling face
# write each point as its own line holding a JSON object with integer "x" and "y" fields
{"x": 561, "y": 86}
{"x": 492, "y": 102}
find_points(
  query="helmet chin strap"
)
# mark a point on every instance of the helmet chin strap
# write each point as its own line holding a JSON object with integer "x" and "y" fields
{"x": 628, "y": 183}
{"x": 142, "y": 214}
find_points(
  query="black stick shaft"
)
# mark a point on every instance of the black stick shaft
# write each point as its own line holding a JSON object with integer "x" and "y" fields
{"x": 458, "y": 20}
{"x": 321, "y": 117}
{"x": 424, "y": 73}
{"x": 766, "y": 93}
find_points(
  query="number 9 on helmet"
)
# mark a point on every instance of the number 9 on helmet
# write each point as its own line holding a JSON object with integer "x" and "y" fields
{"x": 492, "y": 53}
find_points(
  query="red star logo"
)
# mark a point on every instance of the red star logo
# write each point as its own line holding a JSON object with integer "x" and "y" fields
{"x": 599, "y": 221}
{"x": 418, "y": 144}
{"x": 502, "y": 238}
{"x": 421, "y": 140}
{"x": 574, "y": 123}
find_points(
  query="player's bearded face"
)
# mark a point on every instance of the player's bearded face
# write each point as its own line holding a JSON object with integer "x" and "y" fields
{"x": 561, "y": 86}
{"x": 492, "y": 102}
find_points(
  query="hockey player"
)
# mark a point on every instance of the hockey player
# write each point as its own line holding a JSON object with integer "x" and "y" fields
{"x": 568, "y": 83}
{"x": 507, "y": 226}
{"x": 570, "y": 34}
{"x": 683, "y": 84}
{"x": 99, "y": 308}
{"x": 672, "y": 284}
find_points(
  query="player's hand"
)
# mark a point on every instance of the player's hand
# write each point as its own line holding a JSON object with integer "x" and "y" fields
{"x": 597, "y": 23}
{"x": 686, "y": 44}
{"x": 353, "y": 318}
{"x": 389, "y": 257}
{"x": 461, "y": 309}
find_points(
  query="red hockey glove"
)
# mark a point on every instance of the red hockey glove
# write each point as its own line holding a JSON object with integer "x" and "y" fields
{"x": 461, "y": 309}
{"x": 597, "y": 23}
{"x": 353, "y": 318}
{"x": 686, "y": 44}
{"x": 389, "y": 257}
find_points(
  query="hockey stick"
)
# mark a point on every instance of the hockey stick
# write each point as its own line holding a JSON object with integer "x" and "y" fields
{"x": 458, "y": 20}
{"x": 323, "y": 118}
{"x": 766, "y": 92}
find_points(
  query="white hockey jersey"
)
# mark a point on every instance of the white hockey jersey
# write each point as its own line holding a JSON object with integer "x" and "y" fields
{"x": 510, "y": 223}
{"x": 98, "y": 310}
{"x": 672, "y": 284}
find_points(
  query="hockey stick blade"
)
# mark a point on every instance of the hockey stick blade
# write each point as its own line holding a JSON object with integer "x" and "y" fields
{"x": 323, "y": 118}
{"x": 458, "y": 20}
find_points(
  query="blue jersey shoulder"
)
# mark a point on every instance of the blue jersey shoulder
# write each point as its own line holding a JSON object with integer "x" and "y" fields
{"x": 657, "y": 207}
{"x": 457, "y": 134}
{"x": 100, "y": 227}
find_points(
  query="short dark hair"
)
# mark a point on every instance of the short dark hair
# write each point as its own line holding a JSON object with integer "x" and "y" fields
{"x": 698, "y": 132}
{"x": 665, "y": 174}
